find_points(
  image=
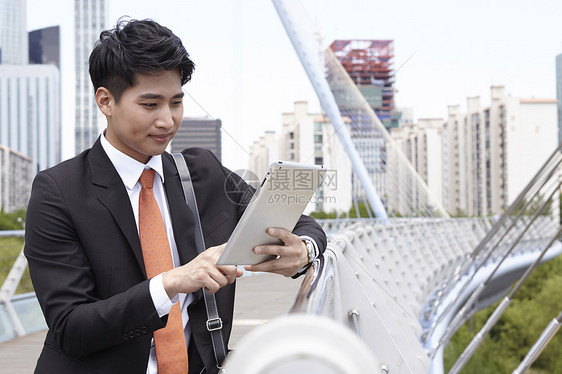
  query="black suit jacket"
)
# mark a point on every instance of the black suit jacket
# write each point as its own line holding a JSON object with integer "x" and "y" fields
{"x": 86, "y": 264}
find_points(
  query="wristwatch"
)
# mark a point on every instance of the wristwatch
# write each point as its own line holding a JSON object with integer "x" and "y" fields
{"x": 311, "y": 250}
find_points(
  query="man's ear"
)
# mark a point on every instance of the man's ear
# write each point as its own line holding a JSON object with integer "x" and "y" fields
{"x": 105, "y": 101}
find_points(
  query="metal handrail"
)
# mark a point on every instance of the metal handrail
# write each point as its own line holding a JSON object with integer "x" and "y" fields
{"x": 320, "y": 290}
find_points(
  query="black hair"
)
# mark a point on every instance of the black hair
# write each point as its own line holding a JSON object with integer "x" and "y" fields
{"x": 136, "y": 47}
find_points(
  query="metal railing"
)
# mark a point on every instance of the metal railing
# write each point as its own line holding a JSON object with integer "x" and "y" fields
{"x": 383, "y": 280}
{"x": 378, "y": 279}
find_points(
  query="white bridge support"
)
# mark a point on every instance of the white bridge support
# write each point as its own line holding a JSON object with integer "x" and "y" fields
{"x": 379, "y": 280}
{"x": 303, "y": 42}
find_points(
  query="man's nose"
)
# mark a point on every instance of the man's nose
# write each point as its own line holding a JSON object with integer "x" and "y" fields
{"x": 165, "y": 118}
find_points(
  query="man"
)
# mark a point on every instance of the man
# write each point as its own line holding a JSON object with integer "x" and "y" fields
{"x": 89, "y": 242}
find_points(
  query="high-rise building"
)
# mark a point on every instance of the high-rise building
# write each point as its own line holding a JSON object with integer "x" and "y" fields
{"x": 421, "y": 144}
{"x": 199, "y": 132}
{"x": 44, "y": 46}
{"x": 89, "y": 21}
{"x": 458, "y": 188}
{"x": 370, "y": 65}
{"x": 30, "y": 115}
{"x": 262, "y": 152}
{"x": 488, "y": 155}
{"x": 559, "y": 94}
{"x": 16, "y": 176}
{"x": 13, "y": 32}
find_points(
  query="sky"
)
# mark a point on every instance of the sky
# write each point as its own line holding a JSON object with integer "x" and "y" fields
{"x": 247, "y": 72}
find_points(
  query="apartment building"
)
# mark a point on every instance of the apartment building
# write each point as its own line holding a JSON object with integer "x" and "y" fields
{"x": 487, "y": 155}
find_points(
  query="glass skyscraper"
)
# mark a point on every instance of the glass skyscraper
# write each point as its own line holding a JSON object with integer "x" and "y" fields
{"x": 89, "y": 21}
{"x": 199, "y": 132}
{"x": 30, "y": 114}
{"x": 30, "y": 117}
{"x": 44, "y": 46}
{"x": 13, "y": 33}
{"x": 30, "y": 110}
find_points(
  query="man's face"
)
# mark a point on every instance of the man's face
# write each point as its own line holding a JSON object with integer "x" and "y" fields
{"x": 147, "y": 116}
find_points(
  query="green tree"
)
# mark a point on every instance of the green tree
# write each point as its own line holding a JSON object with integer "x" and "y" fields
{"x": 532, "y": 309}
{"x": 533, "y": 207}
{"x": 362, "y": 206}
{"x": 324, "y": 215}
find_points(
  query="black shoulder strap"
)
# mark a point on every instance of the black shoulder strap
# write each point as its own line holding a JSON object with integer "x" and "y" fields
{"x": 214, "y": 322}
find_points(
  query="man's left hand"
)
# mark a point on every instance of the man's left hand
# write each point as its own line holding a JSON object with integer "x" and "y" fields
{"x": 292, "y": 255}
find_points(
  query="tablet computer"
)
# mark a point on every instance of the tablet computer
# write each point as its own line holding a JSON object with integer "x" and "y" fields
{"x": 278, "y": 202}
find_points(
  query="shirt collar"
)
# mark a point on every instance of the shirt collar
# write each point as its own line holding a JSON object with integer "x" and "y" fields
{"x": 127, "y": 167}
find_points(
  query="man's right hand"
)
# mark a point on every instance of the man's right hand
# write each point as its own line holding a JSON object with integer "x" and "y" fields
{"x": 201, "y": 272}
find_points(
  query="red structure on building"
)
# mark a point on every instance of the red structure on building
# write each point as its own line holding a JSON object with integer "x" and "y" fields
{"x": 370, "y": 64}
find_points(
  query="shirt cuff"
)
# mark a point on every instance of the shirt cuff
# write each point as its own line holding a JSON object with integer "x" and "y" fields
{"x": 162, "y": 302}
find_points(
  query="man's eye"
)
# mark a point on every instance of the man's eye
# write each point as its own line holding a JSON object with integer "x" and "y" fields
{"x": 177, "y": 102}
{"x": 149, "y": 105}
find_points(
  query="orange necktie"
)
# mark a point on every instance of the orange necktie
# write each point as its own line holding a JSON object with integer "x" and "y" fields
{"x": 171, "y": 350}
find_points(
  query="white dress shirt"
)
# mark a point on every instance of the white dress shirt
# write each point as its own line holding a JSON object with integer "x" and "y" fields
{"x": 130, "y": 171}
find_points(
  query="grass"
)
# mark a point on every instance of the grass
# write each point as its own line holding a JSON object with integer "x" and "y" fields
{"x": 10, "y": 248}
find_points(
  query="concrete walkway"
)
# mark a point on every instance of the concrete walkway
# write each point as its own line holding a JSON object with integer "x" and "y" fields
{"x": 259, "y": 298}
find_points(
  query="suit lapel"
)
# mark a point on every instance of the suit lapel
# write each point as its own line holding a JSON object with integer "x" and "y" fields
{"x": 113, "y": 195}
{"x": 183, "y": 222}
